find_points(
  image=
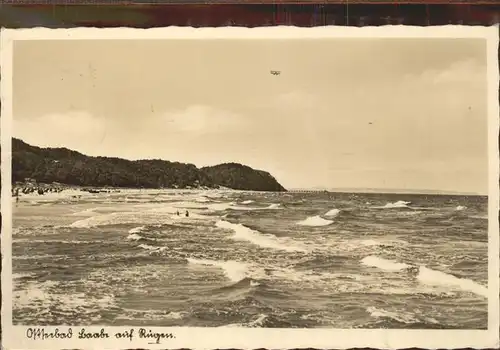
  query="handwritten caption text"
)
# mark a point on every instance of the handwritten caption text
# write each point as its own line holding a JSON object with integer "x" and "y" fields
{"x": 82, "y": 333}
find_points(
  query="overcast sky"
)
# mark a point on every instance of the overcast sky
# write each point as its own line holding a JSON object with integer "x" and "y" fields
{"x": 344, "y": 113}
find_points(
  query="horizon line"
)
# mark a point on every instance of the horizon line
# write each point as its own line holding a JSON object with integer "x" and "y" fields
{"x": 386, "y": 191}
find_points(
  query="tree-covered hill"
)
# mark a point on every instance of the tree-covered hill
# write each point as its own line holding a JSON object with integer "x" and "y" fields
{"x": 241, "y": 177}
{"x": 48, "y": 165}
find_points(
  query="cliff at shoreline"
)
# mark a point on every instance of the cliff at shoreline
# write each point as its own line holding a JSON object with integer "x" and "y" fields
{"x": 61, "y": 165}
{"x": 241, "y": 177}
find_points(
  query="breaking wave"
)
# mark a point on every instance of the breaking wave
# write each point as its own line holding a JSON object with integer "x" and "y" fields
{"x": 137, "y": 229}
{"x": 383, "y": 264}
{"x": 333, "y": 212}
{"x": 243, "y": 233}
{"x": 135, "y": 237}
{"x": 202, "y": 200}
{"x": 86, "y": 212}
{"x": 399, "y": 316}
{"x": 100, "y": 220}
{"x": 436, "y": 278}
{"x": 398, "y": 204}
{"x": 315, "y": 221}
{"x": 152, "y": 249}
{"x": 233, "y": 270}
{"x": 258, "y": 322}
{"x": 429, "y": 277}
{"x": 270, "y": 207}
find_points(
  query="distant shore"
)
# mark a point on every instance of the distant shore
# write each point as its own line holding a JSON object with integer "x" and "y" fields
{"x": 27, "y": 188}
{"x": 389, "y": 191}
{"x": 22, "y": 189}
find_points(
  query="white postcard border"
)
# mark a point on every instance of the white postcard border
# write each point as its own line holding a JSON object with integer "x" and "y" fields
{"x": 14, "y": 337}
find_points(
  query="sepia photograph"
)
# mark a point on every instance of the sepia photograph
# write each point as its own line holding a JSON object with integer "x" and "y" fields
{"x": 344, "y": 180}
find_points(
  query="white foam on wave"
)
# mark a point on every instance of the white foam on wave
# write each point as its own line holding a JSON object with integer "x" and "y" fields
{"x": 259, "y": 321}
{"x": 380, "y": 313}
{"x": 134, "y": 237}
{"x": 161, "y": 212}
{"x": 273, "y": 206}
{"x": 43, "y": 299}
{"x": 315, "y": 221}
{"x": 202, "y": 200}
{"x": 381, "y": 242}
{"x": 200, "y": 204}
{"x": 176, "y": 315}
{"x": 190, "y": 205}
{"x": 38, "y": 257}
{"x": 436, "y": 278}
{"x": 151, "y": 315}
{"x": 254, "y": 283}
{"x": 429, "y": 277}
{"x": 255, "y": 323}
{"x": 234, "y": 270}
{"x": 52, "y": 241}
{"x": 36, "y": 294}
{"x": 335, "y": 281}
{"x": 383, "y": 264}
{"x": 137, "y": 229}
{"x": 86, "y": 212}
{"x": 398, "y": 204}
{"x": 20, "y": 275}
{"x": 220, "y": 206}
{"x": 158, "y": 214}
{"x": 152, "y": 248}
{"x": 333, "y": 212}
{"x": 481, "y": 217}
{"x": 460, "y": 208}
{"x": 95, "y": 221}
{"x": 243, "y": 233}
{"x": 400, "y": 316}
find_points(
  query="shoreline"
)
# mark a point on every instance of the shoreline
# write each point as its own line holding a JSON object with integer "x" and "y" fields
{"x": 35, "y": 189}
{"x": 28, "y": 189}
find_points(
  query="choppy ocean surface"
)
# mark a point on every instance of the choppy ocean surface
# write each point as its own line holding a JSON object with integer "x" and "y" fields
{"x": 251, "y": 259}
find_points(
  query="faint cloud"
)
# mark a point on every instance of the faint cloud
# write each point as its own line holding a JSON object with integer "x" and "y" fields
{"x": 76, "y": 129}
{"x": 460, "y": 72}
{"x": 296, "y": 100}
{"x": 201, "y": 119}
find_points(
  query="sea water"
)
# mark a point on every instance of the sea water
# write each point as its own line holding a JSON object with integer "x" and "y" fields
{"x": 249, "y": 259}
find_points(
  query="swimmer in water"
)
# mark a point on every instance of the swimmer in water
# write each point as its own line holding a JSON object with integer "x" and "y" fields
{"x": 187, "y": 213}
{"x": 413, "y": 270}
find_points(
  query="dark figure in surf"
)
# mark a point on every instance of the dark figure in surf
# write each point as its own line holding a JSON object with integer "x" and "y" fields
{"x": 413, "y": 270}
{"x": 178, "y": 213}
{"x": 187, "y": 213}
